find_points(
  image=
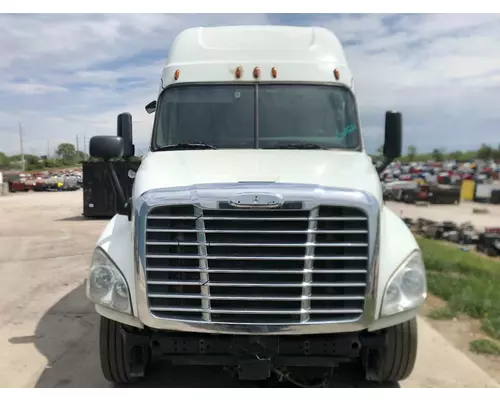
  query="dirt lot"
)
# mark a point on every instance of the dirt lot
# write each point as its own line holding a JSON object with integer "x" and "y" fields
{"x": 460, "y": 332}
{"x": 48, "y": 330}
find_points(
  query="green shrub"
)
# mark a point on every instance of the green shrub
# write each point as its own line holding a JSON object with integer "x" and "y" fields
{"x": 442, "y": 313}
{"x": 485, "y": 346}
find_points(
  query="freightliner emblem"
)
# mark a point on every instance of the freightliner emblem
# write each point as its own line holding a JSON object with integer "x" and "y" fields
{"x": 256, "y": 200}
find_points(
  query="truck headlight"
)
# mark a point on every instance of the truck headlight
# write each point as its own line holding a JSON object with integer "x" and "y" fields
{"x": 407, "y": 288}
{"x": 106, "y": 285}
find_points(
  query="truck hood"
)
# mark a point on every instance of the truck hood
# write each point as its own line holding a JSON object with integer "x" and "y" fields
{"x": 334, "y": 168}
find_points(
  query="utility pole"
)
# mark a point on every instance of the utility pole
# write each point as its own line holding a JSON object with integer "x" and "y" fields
{"x": 21, "y": 143}
{"x": 85, "y": 146}
{"x": 77, "y": 149}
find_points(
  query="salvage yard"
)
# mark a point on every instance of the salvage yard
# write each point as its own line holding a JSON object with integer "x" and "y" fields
{"x": 48, "y": 330}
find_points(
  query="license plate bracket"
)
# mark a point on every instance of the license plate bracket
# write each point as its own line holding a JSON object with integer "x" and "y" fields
{"x": 256, "y": 369}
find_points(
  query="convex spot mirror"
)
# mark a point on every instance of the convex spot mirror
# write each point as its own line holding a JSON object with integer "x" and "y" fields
{"x": 151, "y": 107}
{"x": 106, "y": 147}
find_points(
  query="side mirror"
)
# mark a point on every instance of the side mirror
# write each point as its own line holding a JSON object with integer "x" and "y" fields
{"x": 106, "y": 147}
{"x": 151, "y": 107}
{"x": 109, "y": 147}
{"x": 393, "y": 135}
{"x": 124, "y": 130}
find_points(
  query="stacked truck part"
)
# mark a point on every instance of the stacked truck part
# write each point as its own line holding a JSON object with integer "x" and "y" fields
{"x": 465, "y": 234}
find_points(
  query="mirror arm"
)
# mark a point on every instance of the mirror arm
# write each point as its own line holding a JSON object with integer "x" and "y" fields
{"x": 384, "y": 164}
{"x": 128, "y": 208}
{"x": 120, "y": 197}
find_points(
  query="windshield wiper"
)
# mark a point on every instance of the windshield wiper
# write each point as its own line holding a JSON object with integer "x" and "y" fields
{"x": 305, "y": 146}
{"x": 186, "y": 146}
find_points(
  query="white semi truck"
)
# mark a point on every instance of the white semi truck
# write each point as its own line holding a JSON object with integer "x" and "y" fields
{"x": 256, "y": 237}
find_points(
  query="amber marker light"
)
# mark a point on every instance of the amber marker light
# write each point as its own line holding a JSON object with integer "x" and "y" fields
{"x": 336, "y": 73}
{"x": 256, "y": 72}
{"x": 176, "y": 74}
{"x": 238, "y": 72}
{"x": 274, "y": 72}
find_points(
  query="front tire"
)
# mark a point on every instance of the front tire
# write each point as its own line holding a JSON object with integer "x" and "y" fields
{"x": 112, "y": 353}
{"x": 396, "y": 361}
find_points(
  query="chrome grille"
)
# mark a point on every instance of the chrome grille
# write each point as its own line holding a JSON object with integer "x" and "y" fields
{"x": 259, "y": 266}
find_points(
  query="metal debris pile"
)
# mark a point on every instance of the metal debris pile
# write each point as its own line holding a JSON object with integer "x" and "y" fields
{"x": 466, "y": 235}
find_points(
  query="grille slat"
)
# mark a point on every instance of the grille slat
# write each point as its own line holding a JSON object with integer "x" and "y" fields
{"x": 277, "y": 258}
{"x": 253, "y": 231}
{"x": 251, "y": 311}
{"x": 261, "y": 271}
{"x": 258, "y": 266}
{"x": 186, "y": 217}
{"x": 243, "y": 298}
{"x": 209, "y": 244}
{"x": 257, "y": 284}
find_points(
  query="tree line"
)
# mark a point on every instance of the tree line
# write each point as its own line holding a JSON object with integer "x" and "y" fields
{"x": 65, "y": 155}
{"x": 485, "y": 153}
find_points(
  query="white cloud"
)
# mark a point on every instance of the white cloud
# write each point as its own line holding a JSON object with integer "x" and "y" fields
{"x": 69, "y": 75}
{"x": 31, "y": 88}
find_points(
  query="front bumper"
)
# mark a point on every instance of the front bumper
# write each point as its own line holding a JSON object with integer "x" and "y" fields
{"x": 277, "y": 330}
{"x": 251, "y": 357}
{"x": 302, "y": 351}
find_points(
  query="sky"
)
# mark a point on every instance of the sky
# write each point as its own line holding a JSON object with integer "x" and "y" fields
{"x": 68, "y": 76}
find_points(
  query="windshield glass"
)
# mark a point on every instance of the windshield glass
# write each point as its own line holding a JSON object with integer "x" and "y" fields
{"x": 225, "y": 116}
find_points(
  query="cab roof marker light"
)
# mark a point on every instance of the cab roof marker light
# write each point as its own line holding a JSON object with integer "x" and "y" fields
{"x": 256, "y": 72}
{"x": 238, "y": 72}
{"x": 336, "y": 73}
{"x": 274, "y": 72}
{"x": 176, "y": 74}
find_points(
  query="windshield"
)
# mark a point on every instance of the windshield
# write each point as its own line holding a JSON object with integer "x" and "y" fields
{"x": 257, "y": 116}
